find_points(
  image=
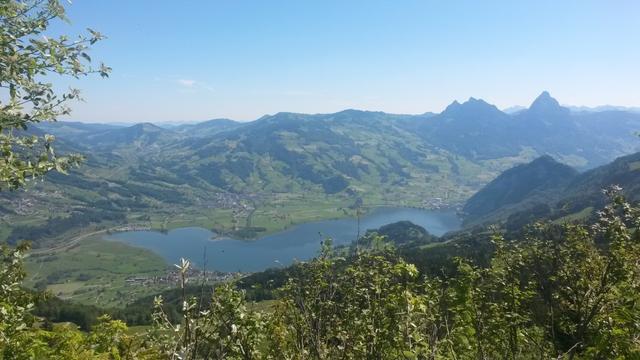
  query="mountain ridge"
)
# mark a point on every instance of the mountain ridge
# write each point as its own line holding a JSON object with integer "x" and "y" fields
{"x": 562, "y": 195}
{"x": 519, "y": 186}
{"x": 240, "y": 170}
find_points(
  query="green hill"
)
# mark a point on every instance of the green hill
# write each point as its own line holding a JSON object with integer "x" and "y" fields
{"x": 520, "y": 187}
{"x": 547, "y": 189}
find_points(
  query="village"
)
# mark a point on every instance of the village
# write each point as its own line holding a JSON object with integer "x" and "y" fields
{"x": 436, "y": 203}
{"x": 173, "y": 277}
{"x": 28, "y": 204}
{"x": 239, "y": 202}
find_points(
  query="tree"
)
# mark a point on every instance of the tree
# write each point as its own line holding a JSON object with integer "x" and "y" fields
{"x": 28, "y": 60}
{"x": 15, "y": 303}
{"x": 226, "y": 329}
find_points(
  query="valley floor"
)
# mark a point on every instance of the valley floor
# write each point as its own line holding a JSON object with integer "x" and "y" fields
{"x": 82, "y": 267}
{"x": 94, "y": 272}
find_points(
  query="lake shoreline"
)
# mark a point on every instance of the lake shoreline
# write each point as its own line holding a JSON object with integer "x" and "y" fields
{"x": 298, "y": 242}
{"x": 368, "y": 211}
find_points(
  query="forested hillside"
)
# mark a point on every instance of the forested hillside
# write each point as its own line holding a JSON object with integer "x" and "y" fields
{"x": 546, "y": 189}
{"x": 524, "y": 185}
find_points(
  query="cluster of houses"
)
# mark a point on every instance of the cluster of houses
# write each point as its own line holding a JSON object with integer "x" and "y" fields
{"x": 436, "y": 203}
{"x": 132, "y": 227}
{"x": 21, "y": 205}
{"x": 27, "y": 205}
{"x": 241, "y": 204}
{"x": 173, "y": 277}
{"x": 224, "y": 200}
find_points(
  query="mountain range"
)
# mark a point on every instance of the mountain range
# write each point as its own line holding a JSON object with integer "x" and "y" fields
{"x": 475, "y": 129}
{"x": 332, "y": 151}
{"x": 431, "y": 160}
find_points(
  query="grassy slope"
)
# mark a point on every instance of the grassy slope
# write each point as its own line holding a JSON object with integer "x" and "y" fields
{"x": 94, "y": 272}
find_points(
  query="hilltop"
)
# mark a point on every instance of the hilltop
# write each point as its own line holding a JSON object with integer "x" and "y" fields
{"x": 519, "y": 187}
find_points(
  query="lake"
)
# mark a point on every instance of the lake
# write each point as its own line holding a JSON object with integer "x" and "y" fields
{"x": 300, "y": 242}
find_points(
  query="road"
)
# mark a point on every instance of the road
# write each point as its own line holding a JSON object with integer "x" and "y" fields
{"x": 69, "y": 244}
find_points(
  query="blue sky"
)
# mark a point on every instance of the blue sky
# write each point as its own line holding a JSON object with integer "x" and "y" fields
{"x": 196, "y": 60}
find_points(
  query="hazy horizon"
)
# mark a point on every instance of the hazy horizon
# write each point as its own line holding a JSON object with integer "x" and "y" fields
{"x": 187, "y": 62}
{"x": 195, "y": 121}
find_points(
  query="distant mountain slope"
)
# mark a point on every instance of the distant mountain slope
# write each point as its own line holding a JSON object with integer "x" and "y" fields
{"x": 471, "y": 129}
{"x": 445, "y": 156}
{"x": 479, "y": 131}
{"x": 535, "y": 181}
{"x": 582, "y": 140}
{"x": 104, "y": 137}
{"x": 72, "y": 129}
{"x": 546, "y": 189}
{"x": 207, "y": 128}
{"x": 140, "y": 135}
{"x": 586, "y": 189}
{"x": 603, "y": 108}
{"x": 289, "y": 152}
